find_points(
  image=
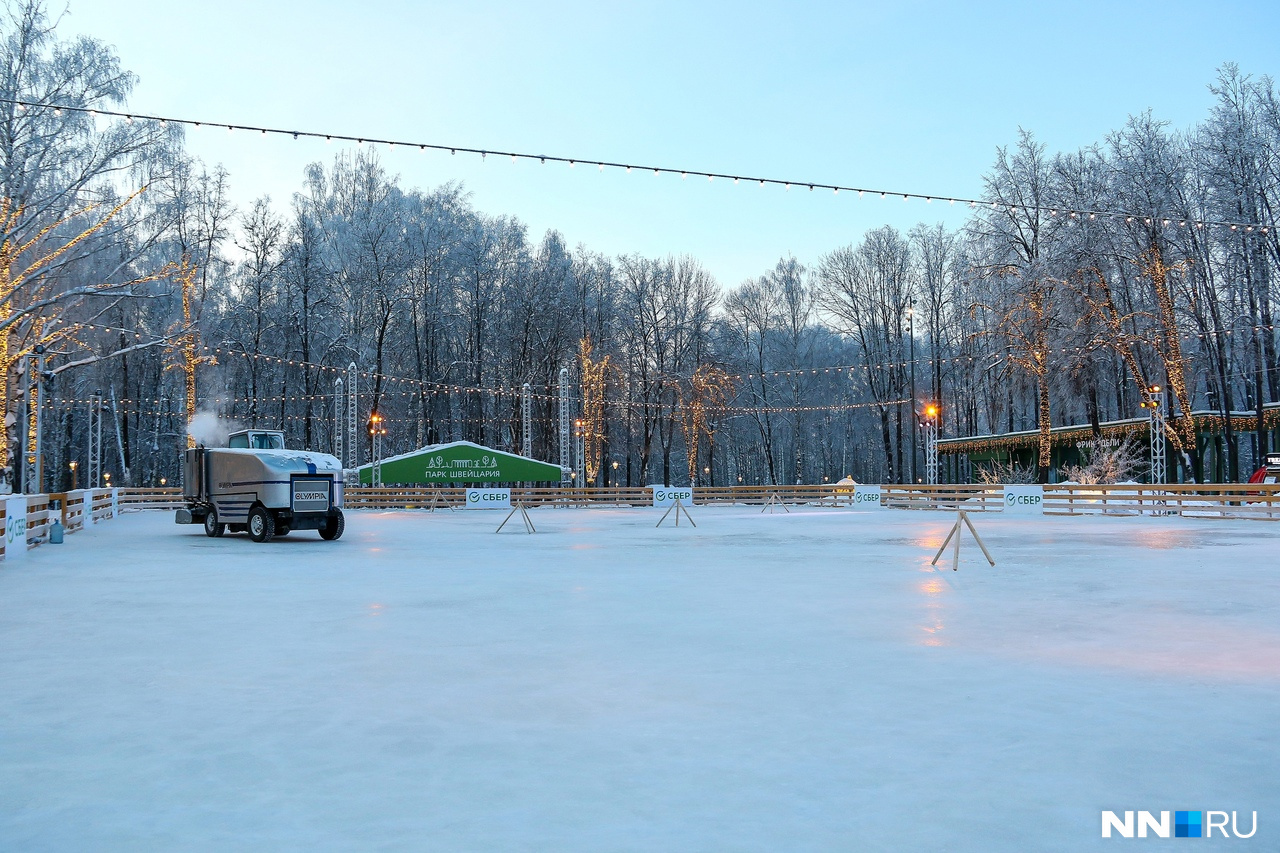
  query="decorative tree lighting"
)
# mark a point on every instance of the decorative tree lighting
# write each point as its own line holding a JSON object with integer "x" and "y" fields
{"x": 187, "y": 341}
{"x": 594, "y": 374}
{"x": 707, "y": 391}
{"x": 30, "y": 297}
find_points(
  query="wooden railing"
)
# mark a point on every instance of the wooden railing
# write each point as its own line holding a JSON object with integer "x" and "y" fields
{"x": 1190, "y": 500}
{"x": 1199, "y": 500}
{"x": 74, "y": 510}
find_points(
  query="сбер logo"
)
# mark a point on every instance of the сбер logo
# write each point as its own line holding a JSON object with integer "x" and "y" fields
{"x": 1185, "y": 824}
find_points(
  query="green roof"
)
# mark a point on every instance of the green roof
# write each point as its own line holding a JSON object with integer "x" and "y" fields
{"x": 459, "y": 463}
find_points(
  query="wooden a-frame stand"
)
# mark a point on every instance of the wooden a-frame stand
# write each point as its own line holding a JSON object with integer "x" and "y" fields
{"x": 961, "y": 517}
{"x": 679, "y": 508}
{"x": 520, "y": 508}
{"x": 438, "y": 500}
{"x": 773, "y": 501}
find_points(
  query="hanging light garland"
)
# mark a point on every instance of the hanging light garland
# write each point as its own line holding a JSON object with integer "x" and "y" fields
{"x": 1068, "y": 213}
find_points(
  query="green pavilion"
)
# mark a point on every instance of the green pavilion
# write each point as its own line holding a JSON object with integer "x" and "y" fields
{"x": 460, "y": 463}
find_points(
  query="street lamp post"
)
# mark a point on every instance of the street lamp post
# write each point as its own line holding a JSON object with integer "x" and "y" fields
{"x": 1158, "y": 468}
{"x": 376, "y": 430}
{"x": 580, "y": 451}
{"x": 931, "y": 444}
{"x": 73, "y": 466}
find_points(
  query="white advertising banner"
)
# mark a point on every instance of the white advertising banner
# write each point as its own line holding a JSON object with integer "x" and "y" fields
{"x": 668, "y": 495}
{"x": 86, "y": 497}
{"x": 15, "y": 528}
{"x": 488, "y": 499}
{"x": 866, "y": 497}
{"x": 1024, "y": 500}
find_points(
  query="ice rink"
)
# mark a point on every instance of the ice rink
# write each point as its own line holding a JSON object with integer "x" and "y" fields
{"x": 771, "y": 682}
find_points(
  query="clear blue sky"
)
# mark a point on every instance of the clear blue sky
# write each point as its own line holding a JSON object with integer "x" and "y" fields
{"x": 908, "y": 96}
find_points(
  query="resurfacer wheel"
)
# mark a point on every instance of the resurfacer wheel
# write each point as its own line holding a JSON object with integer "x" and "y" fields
{"x": 213, "y": 527}
{"x": 261, "y": 525}
{"x": 333, "y": 527}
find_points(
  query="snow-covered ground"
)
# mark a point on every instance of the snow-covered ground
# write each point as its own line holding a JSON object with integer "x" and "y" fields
{"x": 774, "y": 682}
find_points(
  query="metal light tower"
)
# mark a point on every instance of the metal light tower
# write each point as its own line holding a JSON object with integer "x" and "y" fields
{"x": 37, "y": 457}
{"x": 338, "y": 402}
{"x": 911, "y": 340}
{"x": 565, "y": 470}
{"x": 526, "y": 422}
{"x": 94, "y": 480}
{"x": 353, "y": 427}
{"x": 377, "y": 429}
{"x": 1159, "y": 471}
{"x": 931, "y": 444}
{"x": 22, "y": 466}
{"x": 579, "y": 452}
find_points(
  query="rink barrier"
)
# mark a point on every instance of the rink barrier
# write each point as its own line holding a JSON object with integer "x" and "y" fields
{"x": 1191, "y": 500}
{"x": 1187, "y": 500}
{"x": 76, "y": 510}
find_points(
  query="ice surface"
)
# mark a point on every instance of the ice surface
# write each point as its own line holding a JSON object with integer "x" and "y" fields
{"x": 774, "y": 682}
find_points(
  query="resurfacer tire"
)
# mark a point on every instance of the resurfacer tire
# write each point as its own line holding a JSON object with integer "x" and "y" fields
{"x": 333, "y": 527}
{"x": 213, "y": 527}
{"x": 262, "y": 527}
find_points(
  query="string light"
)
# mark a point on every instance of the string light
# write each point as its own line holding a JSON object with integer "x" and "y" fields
{"x": 20, "y": 104}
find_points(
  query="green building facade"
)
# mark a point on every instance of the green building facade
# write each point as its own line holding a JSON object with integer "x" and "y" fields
{"x": 460, "y": 463}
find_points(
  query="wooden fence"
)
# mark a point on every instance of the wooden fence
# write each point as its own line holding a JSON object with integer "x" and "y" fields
{"x": 1189, "y": 500}
{"x": 74, "y": 510}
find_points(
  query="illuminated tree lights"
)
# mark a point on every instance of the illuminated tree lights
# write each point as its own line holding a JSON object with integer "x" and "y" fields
{"x": 594, "y": 375}
{"x": 31, "y": 300}
{"x": 187, "y": 342}
{"x": 707, "y": 392}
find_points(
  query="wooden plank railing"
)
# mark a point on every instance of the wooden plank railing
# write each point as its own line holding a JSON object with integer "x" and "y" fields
{"x": 74, "y": 509}
{"x": 151, "y": 498}
{"x": 1192, "y": 500}
{"x": 1189, "y": 500}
